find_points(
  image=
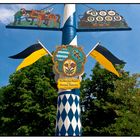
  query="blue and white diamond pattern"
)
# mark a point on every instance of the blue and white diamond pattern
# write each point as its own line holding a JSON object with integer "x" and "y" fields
{"x": 68, "y": 108}
{"x": 68, "y": 115}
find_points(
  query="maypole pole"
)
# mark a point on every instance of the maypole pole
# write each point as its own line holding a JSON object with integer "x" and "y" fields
{"x": 68, "y": 121}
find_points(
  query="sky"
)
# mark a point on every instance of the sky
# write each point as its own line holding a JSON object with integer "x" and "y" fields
{"x": 123, "y": 44}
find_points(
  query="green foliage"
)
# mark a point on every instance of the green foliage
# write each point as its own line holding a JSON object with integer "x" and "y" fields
{"x": 111, "y": 104}
{"x": 125, "y": 102}
{"x": 29, "y": 101}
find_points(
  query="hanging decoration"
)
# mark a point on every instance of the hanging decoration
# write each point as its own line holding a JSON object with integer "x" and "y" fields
{"x": 36, "y": 18}
{"x": 69, "y": 62}
{"x": 101, "y": 19}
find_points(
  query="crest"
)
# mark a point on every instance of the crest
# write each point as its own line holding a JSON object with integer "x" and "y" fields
{"x": 69, "y": 60}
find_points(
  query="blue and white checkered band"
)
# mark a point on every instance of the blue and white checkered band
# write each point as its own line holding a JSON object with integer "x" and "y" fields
{"x": 68, "y": 114}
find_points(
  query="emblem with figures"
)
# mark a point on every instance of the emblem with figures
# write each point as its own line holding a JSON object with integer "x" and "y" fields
{"x": 69, "y": 60}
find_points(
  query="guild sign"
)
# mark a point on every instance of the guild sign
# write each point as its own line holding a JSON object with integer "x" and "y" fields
{"x": 69, "y": 60}
{"x": 69, "y": 83}
{"x": 36, "y": 19}
{"x": 101, "y": 19}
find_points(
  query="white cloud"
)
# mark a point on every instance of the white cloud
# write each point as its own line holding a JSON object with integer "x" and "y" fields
{"x": 6, "y": 16}
{"x": 8, "y": 10}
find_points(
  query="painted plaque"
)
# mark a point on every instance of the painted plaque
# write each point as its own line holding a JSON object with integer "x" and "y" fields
{"x": 101, "y": 19}
{"x": 35, "y": 18}
{"x": 68, "y": 83}
{"x": 69, "y": 60}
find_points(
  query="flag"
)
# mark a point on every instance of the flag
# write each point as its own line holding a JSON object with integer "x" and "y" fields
{"x": 106, "y": 58}
{"x": 30, "y": 55}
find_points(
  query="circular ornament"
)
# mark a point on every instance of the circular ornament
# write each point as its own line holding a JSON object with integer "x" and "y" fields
{"x": 108, "y": 18}
{"x": 118, "y": 18}
{"x": 102, "y": 13}
{"x": 90, "y": 18}
{"x": 94, "y": 13}
{"x": 99, "y": 18}
{"x": 111, "y": 13}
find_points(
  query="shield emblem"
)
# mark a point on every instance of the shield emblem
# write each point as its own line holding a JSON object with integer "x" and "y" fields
{"x": 69, "y": 60}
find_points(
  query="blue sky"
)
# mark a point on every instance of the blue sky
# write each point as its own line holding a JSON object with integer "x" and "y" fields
{"x": 124, "y": 44}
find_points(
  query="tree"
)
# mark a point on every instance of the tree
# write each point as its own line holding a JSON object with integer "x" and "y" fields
{"x": 111, "y": 103}
{"x": 29, "y": 101}
{"x": 125, "y": 102}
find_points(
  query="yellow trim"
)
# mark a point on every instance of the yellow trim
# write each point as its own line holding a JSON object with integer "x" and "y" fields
{"x": 104, "y": 62}
{"x": 32, "y": 58}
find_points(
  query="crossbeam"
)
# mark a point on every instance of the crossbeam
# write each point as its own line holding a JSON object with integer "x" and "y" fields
{"x": 78, "y": 30}
{"x": 103, "y": 29}
{"x": 33, "y": 28}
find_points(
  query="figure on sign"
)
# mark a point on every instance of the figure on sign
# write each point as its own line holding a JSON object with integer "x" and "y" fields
{"x": 19, "y": 15}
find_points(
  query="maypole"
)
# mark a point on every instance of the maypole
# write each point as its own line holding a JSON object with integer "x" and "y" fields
{"x": 68, "y": 109}
{"x": 69, "y": 59}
